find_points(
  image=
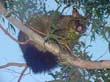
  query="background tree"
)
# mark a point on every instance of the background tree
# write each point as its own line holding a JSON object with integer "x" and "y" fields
{"x": 97, "y": 14}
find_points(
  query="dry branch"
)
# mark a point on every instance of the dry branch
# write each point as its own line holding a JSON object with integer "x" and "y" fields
{"x": 22, "y": 73}
{"x": 6, "y": 32}
{"x": 55, "y": 50}
{"x": 13, "y": 64}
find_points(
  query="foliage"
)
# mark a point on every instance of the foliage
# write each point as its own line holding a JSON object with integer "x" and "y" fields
{"x": 24, "y": 9}
{"x": 68, "y": 74}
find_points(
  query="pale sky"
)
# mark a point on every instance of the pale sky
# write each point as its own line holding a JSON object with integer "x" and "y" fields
{"x": 10, "y": 52}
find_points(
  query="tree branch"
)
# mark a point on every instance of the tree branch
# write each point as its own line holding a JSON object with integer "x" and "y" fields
{"x": 22, "y": 73}
{"x": 13, "y": 64}
{"x": 6, "y": 32}
{"x": 54, "y": 49}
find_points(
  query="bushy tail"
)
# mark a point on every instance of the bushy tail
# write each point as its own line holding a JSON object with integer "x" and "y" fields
{"x": 37, "y": 60}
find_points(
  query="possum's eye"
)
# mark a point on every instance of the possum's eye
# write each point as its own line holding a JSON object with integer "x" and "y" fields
{"x": 80, "y": 28}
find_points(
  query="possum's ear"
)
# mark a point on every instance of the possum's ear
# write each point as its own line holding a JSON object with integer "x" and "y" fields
{"x": 75, "y": 13}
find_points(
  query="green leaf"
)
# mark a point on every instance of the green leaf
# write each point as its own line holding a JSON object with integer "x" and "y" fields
{"x": 109, "y": 46}
{"x": 92, "y": 37}
{"x": 3, "y": 20}
{"x": 11, "y": 27}
{"x": 9, "y": 14}
{"x": 57, "y": 1}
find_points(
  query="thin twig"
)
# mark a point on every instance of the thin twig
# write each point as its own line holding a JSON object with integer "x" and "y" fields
{"x": 6, "y": 32}
{"x": 14, "y": 71}
{"x": 12, "y": 64}
{"x": 68, "y": 5}
{"x": 22, "y": 73}
{"x": 101, "y": 56}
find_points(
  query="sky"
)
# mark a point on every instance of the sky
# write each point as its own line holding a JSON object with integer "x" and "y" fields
{"x": 10, "y": 52}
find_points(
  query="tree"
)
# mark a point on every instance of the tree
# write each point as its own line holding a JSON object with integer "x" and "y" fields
{"x": 97, "y": 14}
